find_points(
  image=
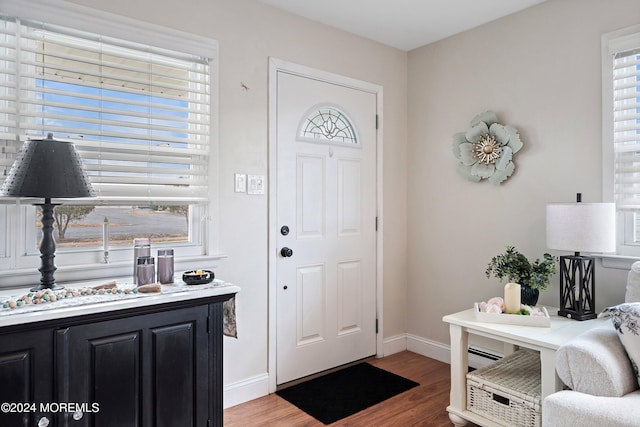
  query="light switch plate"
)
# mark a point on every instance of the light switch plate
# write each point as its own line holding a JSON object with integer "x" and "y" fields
{"x": 241, "y": 183}
{"x": 256, "y": 184}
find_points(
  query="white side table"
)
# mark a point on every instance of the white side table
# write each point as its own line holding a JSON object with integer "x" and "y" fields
{"x": 544, "y": 340}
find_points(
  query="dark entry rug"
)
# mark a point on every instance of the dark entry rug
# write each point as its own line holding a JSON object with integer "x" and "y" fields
{"x": 342, "y": 393}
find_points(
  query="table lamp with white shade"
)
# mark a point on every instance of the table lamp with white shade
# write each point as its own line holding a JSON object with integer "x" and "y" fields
{"x": 580, "y": 227}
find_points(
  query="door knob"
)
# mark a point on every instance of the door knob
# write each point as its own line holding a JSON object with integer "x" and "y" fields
{"x": 286, "y": 252}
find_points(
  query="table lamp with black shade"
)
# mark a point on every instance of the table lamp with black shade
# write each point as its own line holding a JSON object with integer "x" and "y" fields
{"x": 580, "y": 227}
{"x": 46, "y": 168}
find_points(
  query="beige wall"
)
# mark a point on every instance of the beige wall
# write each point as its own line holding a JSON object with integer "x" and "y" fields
{"x": 539, "y": 70}
{"x": 249, "y": 33}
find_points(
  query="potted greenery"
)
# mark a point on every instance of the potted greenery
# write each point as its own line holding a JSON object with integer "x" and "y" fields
{"x": 533, "y": 277}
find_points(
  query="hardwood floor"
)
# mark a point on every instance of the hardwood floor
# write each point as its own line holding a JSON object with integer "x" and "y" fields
{"x": 424, "y": 405}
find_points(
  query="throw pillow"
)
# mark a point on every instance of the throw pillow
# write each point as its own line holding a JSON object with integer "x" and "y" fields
{"x": 626, "y": 321}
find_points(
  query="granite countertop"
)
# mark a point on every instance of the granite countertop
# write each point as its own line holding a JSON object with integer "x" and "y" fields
{"x": 94, "y": 303}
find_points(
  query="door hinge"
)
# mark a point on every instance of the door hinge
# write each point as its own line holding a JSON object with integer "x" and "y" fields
{"x": 208, "y": 331}
{"x": 376, "y": 223}
{"x": 376, "y": 326}
{"x": 376, "y": 122}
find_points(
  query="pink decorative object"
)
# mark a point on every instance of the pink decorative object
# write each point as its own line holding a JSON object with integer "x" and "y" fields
{"x": 491, "y": 308}
{"x": 496, "y": 301}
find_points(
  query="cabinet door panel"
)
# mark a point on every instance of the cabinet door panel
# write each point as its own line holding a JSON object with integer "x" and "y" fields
{"x": 25, "y": 375}
{"x": 15, "y": 370}
{"x": 115, "y": 366}
{"x": 145, "y": 370}
{"x": 174, "y": 375}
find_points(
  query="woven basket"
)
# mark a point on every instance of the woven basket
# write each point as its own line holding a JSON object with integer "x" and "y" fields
{"x": 508, "y": 391}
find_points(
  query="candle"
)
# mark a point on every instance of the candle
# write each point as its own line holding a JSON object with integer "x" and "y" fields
{"x": 512, "y": 298}
{"x": 105, "y": 234}
{"x": 165, "y": 266}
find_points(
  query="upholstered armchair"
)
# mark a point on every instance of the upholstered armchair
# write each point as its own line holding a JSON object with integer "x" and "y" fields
{"x": 600, "y": 368}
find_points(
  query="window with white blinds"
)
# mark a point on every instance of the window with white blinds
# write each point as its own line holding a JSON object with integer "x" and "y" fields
{"x": 621, "y": 136}
{"x": 138, "y": 115}
{"x": 626, "y": 128}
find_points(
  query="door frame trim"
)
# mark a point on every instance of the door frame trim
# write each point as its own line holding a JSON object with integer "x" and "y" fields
{"x": 276, "y": 66}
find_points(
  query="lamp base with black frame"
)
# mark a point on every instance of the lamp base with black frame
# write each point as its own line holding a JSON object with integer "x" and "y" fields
{"x": 577, "y": 287}
{"x": 47, "y": 249}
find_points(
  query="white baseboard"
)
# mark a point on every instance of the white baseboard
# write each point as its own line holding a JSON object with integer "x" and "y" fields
{"x": 394, "y": 344}
{"x": 426, "y": 347}
{"x": 442, "y": 352}
{"x": 245, "y": 390}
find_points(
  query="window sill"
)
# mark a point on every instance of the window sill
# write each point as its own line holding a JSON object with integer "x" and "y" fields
{"x": 621, "y": 262}
{"x": 76, "y": 273}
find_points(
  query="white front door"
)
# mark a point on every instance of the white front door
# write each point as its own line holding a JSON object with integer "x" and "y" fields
{"x": 326, "y": 225}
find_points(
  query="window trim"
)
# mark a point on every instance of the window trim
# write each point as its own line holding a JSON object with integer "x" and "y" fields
{"x": 22, "y": 268}
{"x": 615, "y": 41}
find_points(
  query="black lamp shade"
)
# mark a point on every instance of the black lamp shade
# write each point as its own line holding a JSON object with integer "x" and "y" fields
{"x": 47, "y": 168}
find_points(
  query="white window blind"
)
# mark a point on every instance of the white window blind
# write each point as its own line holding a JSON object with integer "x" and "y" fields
{"x": 138, "y": 115}
{"x": 626, "y": 128}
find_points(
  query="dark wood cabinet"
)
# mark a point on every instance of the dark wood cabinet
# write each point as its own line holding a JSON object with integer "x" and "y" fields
{"x": 156, "y": 366}
{"x": 147, "y": 370}
{"x": 26, "y": 376}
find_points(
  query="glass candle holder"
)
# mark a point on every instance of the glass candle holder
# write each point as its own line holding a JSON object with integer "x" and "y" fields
{"x": 141, "y": 248}
{"x": 145, "y": 270}
{"x": 165, "y": 266}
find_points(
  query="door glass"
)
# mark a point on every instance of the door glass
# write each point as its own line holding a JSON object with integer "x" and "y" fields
{"x": 327, "y": 123}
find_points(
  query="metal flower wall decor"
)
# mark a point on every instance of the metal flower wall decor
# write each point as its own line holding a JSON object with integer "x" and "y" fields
{"x": 486, "y": 150}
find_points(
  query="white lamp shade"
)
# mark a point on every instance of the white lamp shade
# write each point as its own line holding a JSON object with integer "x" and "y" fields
{"x": 581, "y": 227}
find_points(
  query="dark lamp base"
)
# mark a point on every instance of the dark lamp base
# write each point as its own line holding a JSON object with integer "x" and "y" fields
{"x": 54, "y": 287}
{"x": 571, "y": 314}
{"x": 577, "y": 287}
{"x": 47, "y": 249}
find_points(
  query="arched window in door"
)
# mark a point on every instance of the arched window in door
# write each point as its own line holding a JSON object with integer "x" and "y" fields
{"x": 327, "y": 123}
